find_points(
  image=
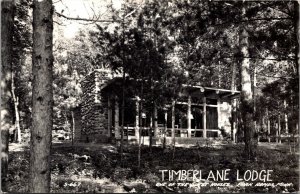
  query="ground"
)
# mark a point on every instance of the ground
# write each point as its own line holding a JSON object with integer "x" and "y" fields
{"x": 97, "y": 167}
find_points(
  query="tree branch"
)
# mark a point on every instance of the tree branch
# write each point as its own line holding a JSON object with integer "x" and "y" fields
{"x": 271, "y": 59}
{"x": 56, "y": 22}
{"x": 255, "y": 19}
{"x": 85, "y": 19}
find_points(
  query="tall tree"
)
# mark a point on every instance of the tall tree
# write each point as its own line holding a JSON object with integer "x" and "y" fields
{"x": 7, "y": 18}
{"x": 246, "y": 92}
{"x": 297, "y": 32}
{"x": 42, "y": 97}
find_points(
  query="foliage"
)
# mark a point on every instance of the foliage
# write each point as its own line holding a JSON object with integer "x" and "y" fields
{"x": 70, "y": 66}
{"x": 21, "y": 66}
{"x": 165, "y": 44}
{"x": 272, "y": 98}
{"x": 96, "y": 168}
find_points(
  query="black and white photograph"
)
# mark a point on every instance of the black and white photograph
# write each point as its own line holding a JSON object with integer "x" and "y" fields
{"x": 150, "y": 96}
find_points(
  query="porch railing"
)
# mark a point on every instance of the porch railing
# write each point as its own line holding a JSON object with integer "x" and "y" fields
{"x": 179, "y": 132}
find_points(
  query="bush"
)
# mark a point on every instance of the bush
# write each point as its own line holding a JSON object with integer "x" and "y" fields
{"x": 121, "y": 174}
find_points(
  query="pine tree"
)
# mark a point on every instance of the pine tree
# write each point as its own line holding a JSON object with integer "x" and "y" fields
{"x": 42, "y": 97}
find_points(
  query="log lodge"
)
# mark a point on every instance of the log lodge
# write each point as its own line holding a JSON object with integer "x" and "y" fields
{"x": 200, "y": 113}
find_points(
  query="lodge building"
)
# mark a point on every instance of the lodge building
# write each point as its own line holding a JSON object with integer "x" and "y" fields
{"x": 200, "y": 112}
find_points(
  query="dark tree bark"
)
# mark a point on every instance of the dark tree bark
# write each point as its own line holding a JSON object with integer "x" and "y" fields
{"x": 122, "y": 118}
{"x": 246, "y": 93}
{"x": 123, "y": 92}
{"x": 297, "y": 54}
{"x": 42, "y": 97}
{"x": 140, "y": 128}
{"x": 7, "y": 18}
{"x": 297, "y": 31}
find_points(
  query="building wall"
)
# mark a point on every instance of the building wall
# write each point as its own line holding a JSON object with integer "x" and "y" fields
{"x": 94, "y": 107}
{"x": 78, "y": 125}
{"x": 225, "y": 114}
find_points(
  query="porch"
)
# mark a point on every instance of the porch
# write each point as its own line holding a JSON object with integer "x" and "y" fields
{"x": 199, "y": 113}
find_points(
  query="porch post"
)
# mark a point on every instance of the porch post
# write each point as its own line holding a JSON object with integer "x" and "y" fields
{"x": 109, "y": 119}
{"x": 189, "y": 123}
{"x": 163, "y": 135}
{"x": 166, "y": 122}
{"x": 219, "y": 115}
{"x": 117, "y": 128}
{"x": 204, "y": 117}
{"x": 137, "y": 120}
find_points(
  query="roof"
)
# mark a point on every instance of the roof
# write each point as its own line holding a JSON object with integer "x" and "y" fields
{"x": 193, "y": 90}
{"x": 211, "y": 92}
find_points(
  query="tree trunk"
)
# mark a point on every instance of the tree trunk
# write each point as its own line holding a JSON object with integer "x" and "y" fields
{"x": 173, "y": 130}
{"x": 279, "y": 130}
{"x": 285, "y": 117}
{"x": 73, "y": 127}
{"x": 173, "y": 122}
{"x": 297, "y": 48}
{"x": 122, "y": 117}
{"x": 297, "y": 53}
{"x": 155, "y": 122}
{"x": 276, "y": 132}
{"x": 297, "y": 31}
{"x": 42, "y": 97}
{"x": 123, "y": 92}
{"x": 139, "y": 145}
{"x": 254, "y": 101}
{"x": 150, "y": 131}
{"x": 233, "y": 103}
{"x": 7, "y": 18}
{"x": 268, "y": 125}
{"x": 246, "y": 93}
{"x": 16, "y": 109}
{"x": 289, "y": 142}
{"x": 295, "y": 139}
{"x": 141, "y": 126}
{"x": 140, "y": 140}
{"x": 152, "y": 112}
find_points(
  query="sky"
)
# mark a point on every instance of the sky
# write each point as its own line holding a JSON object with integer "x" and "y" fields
{"x": 81, "y": 9}
{"x": 86, "y": 9}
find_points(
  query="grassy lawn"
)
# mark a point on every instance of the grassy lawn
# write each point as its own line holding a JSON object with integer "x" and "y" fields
{"x": 97, "y": 168}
